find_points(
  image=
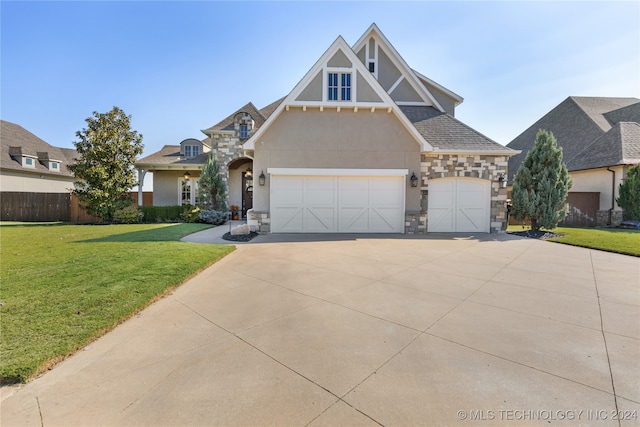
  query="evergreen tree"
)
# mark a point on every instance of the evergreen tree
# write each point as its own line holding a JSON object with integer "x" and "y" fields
{"x": 629, "y": 190}
{"x": 211, "y": 187}
{"x": 541, "y": 185}
{"x": 105, "y": 174}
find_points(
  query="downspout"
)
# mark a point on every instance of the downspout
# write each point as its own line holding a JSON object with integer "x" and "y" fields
{"x": 613, "y": 194}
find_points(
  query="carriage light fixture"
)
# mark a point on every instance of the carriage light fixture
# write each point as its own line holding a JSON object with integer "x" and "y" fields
{"x": 261, "y": 179}
{"x": 414, "y": 179}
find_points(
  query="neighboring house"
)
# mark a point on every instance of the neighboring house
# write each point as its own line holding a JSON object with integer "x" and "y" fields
{"x": 600, "y": 140}
{"x": 363, "y": 143}
{"x": 30, "y": 165}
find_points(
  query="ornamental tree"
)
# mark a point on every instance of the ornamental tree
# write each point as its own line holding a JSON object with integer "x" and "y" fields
{"x": 104, "y": 171}
{"x": 541, "y": 185}
{"x": 629, "y": 194}
{"x": 211, "y": 187}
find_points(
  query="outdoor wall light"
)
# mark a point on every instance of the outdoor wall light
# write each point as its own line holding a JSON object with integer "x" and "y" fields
{"x": 248, "y": 173}
{"x": 187, "y": 175}
{"x": 414, "y": 179}
{"x": 262, "y": 179}
{"x": 502, "y": 180}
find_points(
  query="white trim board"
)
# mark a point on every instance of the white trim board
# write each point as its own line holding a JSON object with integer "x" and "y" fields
{"x": 337, "y": 172}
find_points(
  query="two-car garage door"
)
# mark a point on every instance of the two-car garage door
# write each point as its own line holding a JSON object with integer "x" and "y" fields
{"x": 459, "y": 205}
{"x": 337, "y": 204}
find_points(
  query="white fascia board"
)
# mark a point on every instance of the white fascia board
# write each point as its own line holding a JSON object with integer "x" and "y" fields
{"x": 452, "y": 94}
{"x": 337, "y": 172}
{"x": 398, "y": 61}
{"x": 210, "y": 133}
{"x": 498, "y": 152}
{"x": 152, "y": 166}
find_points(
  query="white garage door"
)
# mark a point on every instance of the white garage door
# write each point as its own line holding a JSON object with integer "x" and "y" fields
{"x": 337, "y": 204}
{"x": 459, "y": 205}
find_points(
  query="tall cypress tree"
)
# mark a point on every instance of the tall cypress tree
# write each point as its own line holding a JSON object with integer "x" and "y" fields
{"x": 211, "y": 186}
{"x": 541, "y": 185}
{"x": 629, "y": 190}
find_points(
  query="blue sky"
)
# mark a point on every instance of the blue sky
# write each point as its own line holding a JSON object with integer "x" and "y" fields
{"x": 179, "y": 67}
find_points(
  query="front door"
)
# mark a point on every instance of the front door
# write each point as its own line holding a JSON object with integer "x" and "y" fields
{"x": 247, "y": 193}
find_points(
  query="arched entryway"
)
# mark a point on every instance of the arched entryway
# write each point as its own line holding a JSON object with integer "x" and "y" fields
{"x": 241, "y": 185}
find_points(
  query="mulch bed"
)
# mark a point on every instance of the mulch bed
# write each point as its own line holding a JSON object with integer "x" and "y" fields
{"x": 542, "y": 235}
{"x": 239, "y": 237}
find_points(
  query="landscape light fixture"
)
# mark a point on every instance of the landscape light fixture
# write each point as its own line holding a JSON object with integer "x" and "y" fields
{"x": 261, "y": 179}
{"x": 414, "y": 179}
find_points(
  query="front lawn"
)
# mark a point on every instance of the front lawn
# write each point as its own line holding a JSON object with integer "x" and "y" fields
{"x": 62, "y": 286}
{"x": 606, "y": 239}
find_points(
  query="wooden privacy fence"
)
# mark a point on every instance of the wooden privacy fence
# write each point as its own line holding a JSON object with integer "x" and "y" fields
{"x": 583, "y": 210}
{"x": 46, "y": 207}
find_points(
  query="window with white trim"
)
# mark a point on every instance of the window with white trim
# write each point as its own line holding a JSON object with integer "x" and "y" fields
{"x": 195, "y": 150}
{"x": 338, "y": 86}
{"x": 187, "y": 151}
{"x": 54, "y": 166}
{"x": 244, "y": 131}
{"x": 188, "y": 191}
{"x": 27, "y": 162}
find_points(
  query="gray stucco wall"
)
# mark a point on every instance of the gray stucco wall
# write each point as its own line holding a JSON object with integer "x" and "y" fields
{"x": 328, "y": 139}
{"x": 166, "y": 185}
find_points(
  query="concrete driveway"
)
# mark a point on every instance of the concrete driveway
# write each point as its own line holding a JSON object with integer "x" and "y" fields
{"x": 444, "y": 330}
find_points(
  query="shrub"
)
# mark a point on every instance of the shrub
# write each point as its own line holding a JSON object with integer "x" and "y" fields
{"x": 162, "y": 213}
{"x": 212, "y": 216}
{"x": 190, "y": 213}
{"x": 128, "y": 215}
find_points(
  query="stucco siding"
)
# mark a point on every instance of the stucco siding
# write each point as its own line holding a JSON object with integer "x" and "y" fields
{"x": 339, "y": 60}
{"x": 405, "y": 92}
{"x": 329, "y": 139}
{"x": 598, "y": 180}
{"x": 364, "y": 91}
{"x": 34, "y": 183}
{"x": 166, "y": 185}
{"x": 388, "y": 73}
{"x": 313, "y": 91}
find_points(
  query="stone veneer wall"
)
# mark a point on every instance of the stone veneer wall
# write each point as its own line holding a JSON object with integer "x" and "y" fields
{"x": 227, "y": 149}
{"x": 434, "y": 166}
{"x": 602, "y": 218}
{"x": 260, "y": 222}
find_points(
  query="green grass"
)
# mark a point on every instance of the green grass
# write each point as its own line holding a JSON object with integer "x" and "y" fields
{"x": 606, "y": 239}
{"x": 62, "y": 286}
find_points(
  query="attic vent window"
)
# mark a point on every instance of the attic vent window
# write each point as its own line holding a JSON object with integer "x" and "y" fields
{"x": 372, "y": 66}
{"x": 339, "y": 86}
{"x": 54, "y": 166}
{"x": 244, "y": 131}
{"x": 187, "y": 151}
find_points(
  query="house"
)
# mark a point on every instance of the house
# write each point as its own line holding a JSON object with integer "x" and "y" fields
{"x": 31, "y": 165}
{"x": 600, "y": 140}
{"x": 363, "y": 143}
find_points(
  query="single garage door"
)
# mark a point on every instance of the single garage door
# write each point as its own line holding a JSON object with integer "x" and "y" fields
{"x": 337, "y": 204}
{"x": 459, "y": 205}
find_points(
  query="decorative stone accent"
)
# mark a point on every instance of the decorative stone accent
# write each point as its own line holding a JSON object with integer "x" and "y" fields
{"x": 415, "y": 222}
{"x": 434, "y": 166}
{"x": 240, "y": 230}
{"x": 227, "y": 149}
{"x": 602, "y": 219}
{"x": 260, "y": 222}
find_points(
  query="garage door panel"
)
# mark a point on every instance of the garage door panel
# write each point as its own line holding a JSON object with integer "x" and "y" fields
{"x": 459, "y": 205}
{"x": 338, "y": 204}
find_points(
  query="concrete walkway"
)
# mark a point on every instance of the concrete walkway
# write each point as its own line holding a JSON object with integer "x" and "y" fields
{"x": 303, "y": 330}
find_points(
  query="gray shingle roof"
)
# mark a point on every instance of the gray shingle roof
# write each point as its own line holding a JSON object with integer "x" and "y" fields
{"x": 576, "y": 123}
{"x": 228, "y": 122}
{"x": 620, "y": 145}
{"x": 170, "y": 155}
{"x": 445, "y": 132}
{"x": 16, "y": 139}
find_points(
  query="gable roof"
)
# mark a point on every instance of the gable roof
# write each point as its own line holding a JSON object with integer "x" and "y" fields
{"x": 16, "y": 141}
{"x": 376, "y": 96}
{"x": 227, "y": 124}
{"x": 381, "y": 42}
{"x": 576, "y": 123}
{"x": 619, "y": 146}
